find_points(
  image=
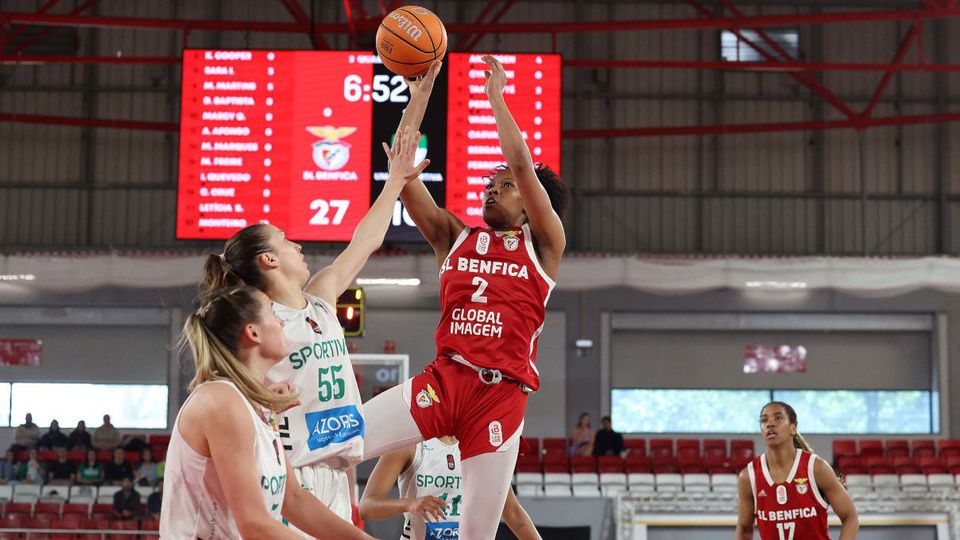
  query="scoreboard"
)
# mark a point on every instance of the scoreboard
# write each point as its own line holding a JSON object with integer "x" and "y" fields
{"x": 293, "y": 138}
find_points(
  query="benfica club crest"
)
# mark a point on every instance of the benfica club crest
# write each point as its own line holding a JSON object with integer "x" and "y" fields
{"x": 801, "y": 485}
{"x": 331, "y": 154}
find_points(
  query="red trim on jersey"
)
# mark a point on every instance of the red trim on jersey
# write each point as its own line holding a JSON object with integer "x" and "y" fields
{"x": 493, "y": 295}
{"x": 788, "y": 510}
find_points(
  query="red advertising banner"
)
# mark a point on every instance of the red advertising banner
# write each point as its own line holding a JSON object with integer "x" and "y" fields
{"x": 774, "y": 359}
{"x": 20, "y": 352}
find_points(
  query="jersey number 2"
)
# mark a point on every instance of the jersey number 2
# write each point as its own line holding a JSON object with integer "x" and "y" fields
{"x": 786, "y": 530}
{"x": 478, "y": 296}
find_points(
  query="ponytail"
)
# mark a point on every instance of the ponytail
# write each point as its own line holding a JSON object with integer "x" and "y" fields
{"x": 217, "y": 274}
{"x": 213, "y": 332}
{"x": 801, "y": 443}
{"x": 238, "y": 265}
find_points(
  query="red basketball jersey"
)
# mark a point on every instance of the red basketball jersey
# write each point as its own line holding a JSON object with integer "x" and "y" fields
{"x": 790, "y": 510}
{"x": 493, "y": 297}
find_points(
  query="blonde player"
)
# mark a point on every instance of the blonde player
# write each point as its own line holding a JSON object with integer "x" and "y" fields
{"x": 226, "y": 477}
{"x": 431, "y": 493}
{"x": 323, "y": 435}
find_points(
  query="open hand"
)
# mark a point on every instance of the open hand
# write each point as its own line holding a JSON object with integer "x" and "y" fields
{"x": 400, "y": 157}
{"x": 422, "y": 86}
{"x": 428, "y": 508}
{"x": 496, "y": 77}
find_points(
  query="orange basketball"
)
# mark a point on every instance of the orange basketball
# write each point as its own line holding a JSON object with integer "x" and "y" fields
{"x": 410, "y": 39}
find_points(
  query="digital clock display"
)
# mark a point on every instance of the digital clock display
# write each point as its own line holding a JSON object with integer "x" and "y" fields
{"x": 293, "y": 138}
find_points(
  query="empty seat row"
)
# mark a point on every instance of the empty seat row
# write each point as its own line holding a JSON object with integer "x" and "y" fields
{"x": 899, "y": 464}
{"x": 610, "y": 484}
{"x": 57, "y": 494}
{"x": 657, "y": 447}
{"x": 895, "y": 448}
{"x": 864, "y": 483}
{"x": 77, "y": 457}
{"x": 636, "y": 463}
{"x": 77, "y": 510}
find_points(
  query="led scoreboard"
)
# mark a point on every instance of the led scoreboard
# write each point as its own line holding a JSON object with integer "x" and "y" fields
{"x": 293, "y": 138}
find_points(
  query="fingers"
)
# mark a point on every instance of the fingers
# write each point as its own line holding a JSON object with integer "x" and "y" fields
{"x": 420, "y": 168}
{"x": 386, "y": 150}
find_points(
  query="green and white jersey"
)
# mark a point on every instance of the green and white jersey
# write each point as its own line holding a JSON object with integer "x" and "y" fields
{"x": 194, "y": 504}
{"x": 434, "y": 471}
{"x": 327, "y": 427}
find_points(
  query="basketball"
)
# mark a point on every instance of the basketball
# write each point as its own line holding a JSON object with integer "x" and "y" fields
{"x": 410, "y": 39}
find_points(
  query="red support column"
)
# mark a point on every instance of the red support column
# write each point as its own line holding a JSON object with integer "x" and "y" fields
{"x": 806, "y": 79}
{"x": 43, "y": 9}
{"x": 47, "y": 31}
{"x": 897, "y": 59}
{"x": 481, "y": 17}
{"x": 496, "y": 18}
{"x": 301, "y": 16}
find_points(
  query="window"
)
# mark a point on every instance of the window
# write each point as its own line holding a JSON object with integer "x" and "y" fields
{"x": 637, "y": 410}
{"x": 860, "y": 412}
{"x": 129, "y": 405}
{"x": 733, "y": 49}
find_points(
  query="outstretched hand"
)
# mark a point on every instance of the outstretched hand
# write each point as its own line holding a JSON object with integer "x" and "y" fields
{"x": 423, "y": 86}
{"x": 496, "y": 77}
{"x": 428, "y": 508}
{"x": 400, "y": 157}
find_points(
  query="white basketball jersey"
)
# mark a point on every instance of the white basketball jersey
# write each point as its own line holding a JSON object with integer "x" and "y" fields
{"x": 194, "y": 505}
{"x": 435, "y": 470}
{"x": 327, "y": 427}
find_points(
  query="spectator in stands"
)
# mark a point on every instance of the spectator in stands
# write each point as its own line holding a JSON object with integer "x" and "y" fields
{"x": 90, "y": 472}
{"x": 117, "y": 470}
{"x": 607, "y": 441}
{"x": 581, "y": 437}
{"x": 106, "y": 437}
{"x": 136, "y": 443}
{"x": 146, "y": 474}
{"x": 27, "y": 435}
{"x": 32, "y": 471}
{"x": 126, "y": 502}
{"x": 61, "y": 471}
{"x": 155, "y": 501}
{"x": 8, "y": 468}
{"x": 54, "y": 438}
{"x": 80, "y": 438}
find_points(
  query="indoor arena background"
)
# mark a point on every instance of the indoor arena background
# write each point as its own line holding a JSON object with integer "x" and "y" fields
{"x": 803, "y": 192}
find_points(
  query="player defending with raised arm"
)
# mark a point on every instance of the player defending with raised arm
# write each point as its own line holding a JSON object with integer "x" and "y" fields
{"x": 494, "y": 285}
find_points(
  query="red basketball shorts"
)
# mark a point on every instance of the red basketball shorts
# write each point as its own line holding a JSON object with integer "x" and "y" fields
{"x": 449, "y": 398}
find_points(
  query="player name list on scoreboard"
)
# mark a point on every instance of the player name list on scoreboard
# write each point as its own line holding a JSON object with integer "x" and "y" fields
{"x": 532, "y": 93}
{"x": 227, "y": 141}
{"x": 287, "y": 137}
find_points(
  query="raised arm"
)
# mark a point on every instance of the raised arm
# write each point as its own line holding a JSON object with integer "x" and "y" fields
{"x": 438, "y": 226}
{"x": 745, "y": 508}
{"x": 544, "y": 222}
{"x": 331, "y": 281}
{"x": 376, "y": 502}
{"x": 838, "y": 498}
